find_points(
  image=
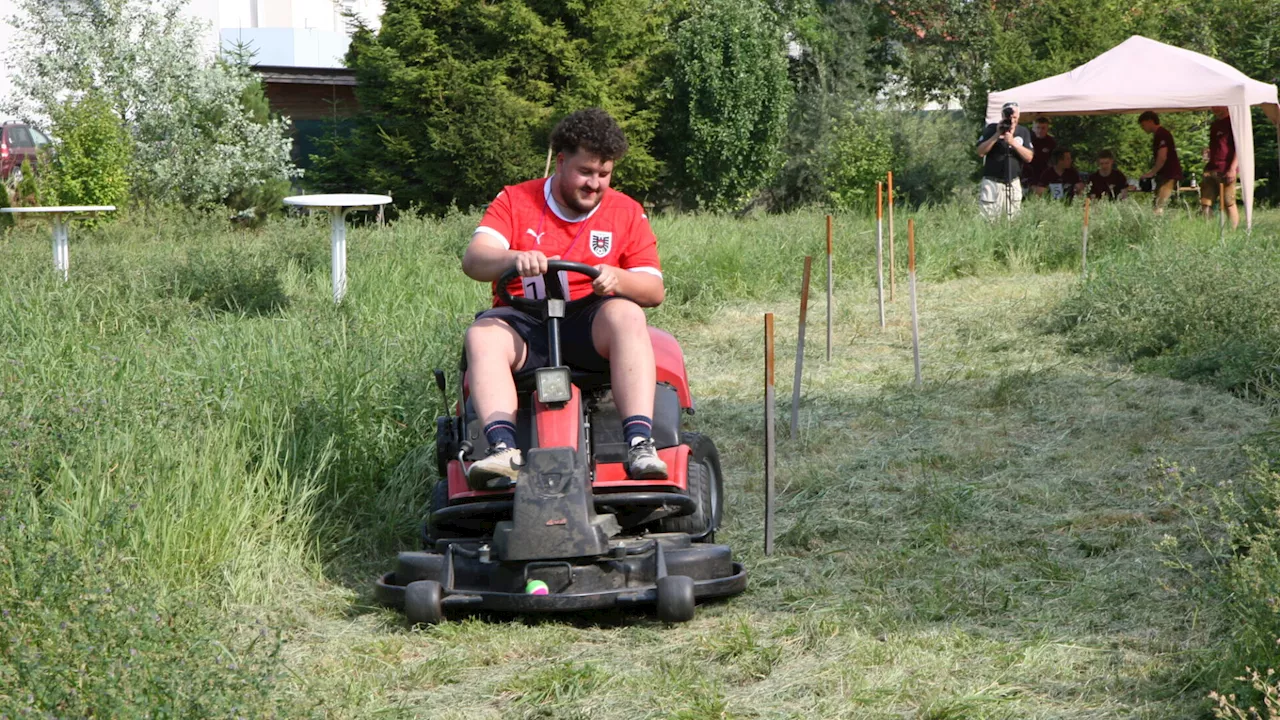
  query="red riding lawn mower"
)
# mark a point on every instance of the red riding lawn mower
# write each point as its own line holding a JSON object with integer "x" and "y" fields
{"x": 574, "y": 533}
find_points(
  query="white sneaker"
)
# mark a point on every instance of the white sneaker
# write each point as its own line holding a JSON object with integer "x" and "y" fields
{"x": 498, "y": 469}
{"x": 643, "y": 462}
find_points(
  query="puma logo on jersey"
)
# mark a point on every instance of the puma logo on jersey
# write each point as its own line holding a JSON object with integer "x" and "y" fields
{"x": 537, "y": 237}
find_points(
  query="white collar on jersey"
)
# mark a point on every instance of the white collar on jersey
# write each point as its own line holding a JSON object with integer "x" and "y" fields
{"x": 565, "y": 215}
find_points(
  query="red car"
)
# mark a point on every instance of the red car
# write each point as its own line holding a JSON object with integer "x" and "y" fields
{"x": 19, "y": 142}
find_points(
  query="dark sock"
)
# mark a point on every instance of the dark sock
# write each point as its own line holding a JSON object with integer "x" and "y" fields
{"x": 500, "y": 431}
{"x": 637, "y": 426}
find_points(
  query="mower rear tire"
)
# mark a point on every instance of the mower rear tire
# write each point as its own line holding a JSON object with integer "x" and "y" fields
{"x": 424, "y": 603}
{"x": 705, "y": 486}
{"x": 675, "y": 598}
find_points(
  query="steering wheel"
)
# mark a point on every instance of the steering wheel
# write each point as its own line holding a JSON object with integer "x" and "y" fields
{"x": 553, "y": 268}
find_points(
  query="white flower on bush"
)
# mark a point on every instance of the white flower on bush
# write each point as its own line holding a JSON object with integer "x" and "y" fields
{"x": 196, "y": 141}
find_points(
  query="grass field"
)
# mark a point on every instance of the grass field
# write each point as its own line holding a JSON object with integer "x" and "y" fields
{"x": 204, "y": 464}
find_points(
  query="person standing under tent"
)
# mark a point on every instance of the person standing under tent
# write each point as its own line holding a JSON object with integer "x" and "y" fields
{"x": 1221, "y": 168}
{"x": 1042, "y": 144}
{"x": 1165, "y": 168}
{"x": 1005, "y": 148}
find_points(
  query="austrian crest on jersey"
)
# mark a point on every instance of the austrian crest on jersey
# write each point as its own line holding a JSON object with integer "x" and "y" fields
{"x": 601, "y": 243}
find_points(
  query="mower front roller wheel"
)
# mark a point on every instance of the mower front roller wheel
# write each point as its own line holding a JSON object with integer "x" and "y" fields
{"x": 675, "y": 598}
{"x": 424, "y": 603}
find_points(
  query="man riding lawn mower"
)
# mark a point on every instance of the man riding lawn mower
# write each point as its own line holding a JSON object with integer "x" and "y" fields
{"x": 567, "y": 483}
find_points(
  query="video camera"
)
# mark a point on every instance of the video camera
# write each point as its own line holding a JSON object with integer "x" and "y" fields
{"x": 1006, "y": 121}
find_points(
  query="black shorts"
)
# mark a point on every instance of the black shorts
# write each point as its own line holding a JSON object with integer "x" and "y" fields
{"x": 576, "y": 347}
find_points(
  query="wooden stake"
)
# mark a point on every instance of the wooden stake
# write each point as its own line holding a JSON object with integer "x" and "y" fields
{"x": 893, "y": 278}
{"x": 795, "y": 385}
{"x": 915, "y": 315}
{"x": 769, "y": 422}
{"x": 1084, "y": 245}
{"x": 830, "y": 287}
{"x": 547, "y": 171}
{"x": 880, "y": 250}
{"x": 1222, "y": 213}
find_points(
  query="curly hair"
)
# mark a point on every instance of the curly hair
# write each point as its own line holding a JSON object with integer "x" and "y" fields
{"x": 593, "y": 130}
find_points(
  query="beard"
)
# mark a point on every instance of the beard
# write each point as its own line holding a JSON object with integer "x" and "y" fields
{"x": 575, "y": 203}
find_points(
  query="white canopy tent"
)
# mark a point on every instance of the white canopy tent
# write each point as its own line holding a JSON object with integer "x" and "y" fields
{"x": 1142, "y": 74}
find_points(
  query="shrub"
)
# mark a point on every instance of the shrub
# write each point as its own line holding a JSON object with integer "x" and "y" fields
{"x": 860, "y": 156}
{"x": 933, "y": 156}
{"x": 6, "y": 219}
{"x": 729, "y": 101}
{"x": 91, "y": 166}
{"x": 27, "y": 191}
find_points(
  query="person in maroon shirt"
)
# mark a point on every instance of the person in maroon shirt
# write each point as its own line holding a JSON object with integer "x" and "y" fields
{"x": 1165, "y": 168}
{"x": 1060, "y": 180}
{"x": 1042, "y": 145}
{"x": 1108, "y": 182}
{"x": 1220, "y": 167}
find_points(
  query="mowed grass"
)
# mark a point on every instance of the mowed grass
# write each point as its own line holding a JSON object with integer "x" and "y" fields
{"x": 984, "y": 547}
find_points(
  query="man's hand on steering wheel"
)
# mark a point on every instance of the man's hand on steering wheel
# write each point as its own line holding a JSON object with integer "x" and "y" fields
{"x": 607, "y": 282}
{"x": 530, "y": 263}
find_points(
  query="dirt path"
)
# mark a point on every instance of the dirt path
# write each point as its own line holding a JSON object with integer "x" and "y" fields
{"x": 984, "y": 548}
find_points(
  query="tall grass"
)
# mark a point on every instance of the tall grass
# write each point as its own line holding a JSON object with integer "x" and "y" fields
{"x": 192, "y": 406}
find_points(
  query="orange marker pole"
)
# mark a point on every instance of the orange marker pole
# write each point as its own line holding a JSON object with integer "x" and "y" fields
{"x": 795, "y": 384}
{"x": 1084, "y": 246}
{"x": 893, "y": 278}
{"x": 915, "y": 314}
{"x": 830, "y": 287}
{"x": 769, "y": 422}
{"x": 880, "y": 250}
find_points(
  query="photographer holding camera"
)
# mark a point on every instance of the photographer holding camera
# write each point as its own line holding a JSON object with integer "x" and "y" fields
{"x": 1005, "y": 147}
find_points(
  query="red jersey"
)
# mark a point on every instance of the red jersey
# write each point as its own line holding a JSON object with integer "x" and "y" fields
{"x": 526, "y": 217}
{"x": 1172, "y": 169}
{"x": 1222, "y": 147}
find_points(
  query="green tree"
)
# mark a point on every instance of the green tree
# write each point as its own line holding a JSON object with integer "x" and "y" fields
{"x": 458, "y": 97}
{"x": 91, "y": 165}
{"x": 839, "y": 61}
{"x": 729, "y": 101}
{"x": 860, "y": 155}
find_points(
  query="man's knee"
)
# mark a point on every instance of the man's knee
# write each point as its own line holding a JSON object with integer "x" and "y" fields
{"x": 622, "y": 313}
{"x": 489, "y": 337}
{"x": 618, "y": 319}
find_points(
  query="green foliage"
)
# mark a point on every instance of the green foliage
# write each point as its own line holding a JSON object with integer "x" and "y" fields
{"x": 933, "y": 156}
{"x": 230, "y": 281}
{"x": 91, "y": 166}
{"x": 860, "y": 155}
{"x": 842, "y": 63}
{"x": 84, "y": 637}
{"x": 729, "y": 97}
{"x": 28, "y": 190}
{"x": 6, "y": 219}
{"x": 1187, "y": 309}
{"x": 459, "y": 96}
{"x": 196, "y": 125}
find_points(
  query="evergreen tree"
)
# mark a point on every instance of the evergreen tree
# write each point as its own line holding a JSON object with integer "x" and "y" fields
{"x": 458, "y": 97}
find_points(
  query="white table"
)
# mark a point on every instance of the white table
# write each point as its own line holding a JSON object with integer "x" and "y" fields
{"x": 338, "y": 206}
{"x": 61, "y": 217}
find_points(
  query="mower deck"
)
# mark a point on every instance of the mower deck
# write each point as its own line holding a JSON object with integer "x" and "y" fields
{"x": 632, "y": 573}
